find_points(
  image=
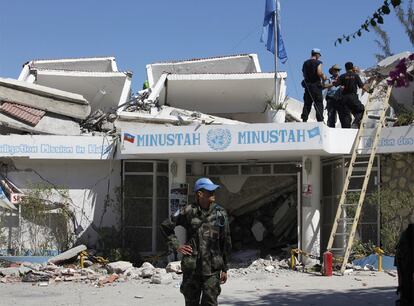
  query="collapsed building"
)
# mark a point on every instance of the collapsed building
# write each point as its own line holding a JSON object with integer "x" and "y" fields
{"x": 118, "y": 163}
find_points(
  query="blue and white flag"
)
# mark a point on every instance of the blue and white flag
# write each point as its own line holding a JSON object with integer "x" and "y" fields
{"x": 268, "y": 26}
{"x": 314, "y": 132}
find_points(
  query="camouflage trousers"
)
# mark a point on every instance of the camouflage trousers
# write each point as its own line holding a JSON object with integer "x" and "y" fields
{"x": 195, "y": 286}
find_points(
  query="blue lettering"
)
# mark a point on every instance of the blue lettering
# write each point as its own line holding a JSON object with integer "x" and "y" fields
{"x": 256, "y": 137}
{"x": 291, "y": 136}
{"x": 300, "y": 135}
{"x": 265, "y": 136}
{"x": 196, "y": 139}
{"x": 273, "y": 136}
{"x": 187, "y": 140}
{"x": 179, "y": 138}
{"x": 242, "y": 137}
{"x": 153, "y": 140}
{"x": 140, "y": 140}
{"x": 283, "y": 133}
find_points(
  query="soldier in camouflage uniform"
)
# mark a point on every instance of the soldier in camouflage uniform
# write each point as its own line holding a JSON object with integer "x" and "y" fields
{"x": 207, "y": 250}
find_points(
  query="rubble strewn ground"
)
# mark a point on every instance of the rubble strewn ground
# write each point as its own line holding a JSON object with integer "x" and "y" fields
{"x": 256, "y": 288}
{"x": 259, "y": 281}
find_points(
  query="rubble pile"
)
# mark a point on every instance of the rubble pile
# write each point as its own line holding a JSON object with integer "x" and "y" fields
{"x": 96, "y": 274}
{"x": 269, "y": 227}
{"x": 268, "y": 265}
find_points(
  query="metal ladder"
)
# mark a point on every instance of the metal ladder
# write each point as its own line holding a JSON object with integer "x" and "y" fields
{"x": 381, "y": 92}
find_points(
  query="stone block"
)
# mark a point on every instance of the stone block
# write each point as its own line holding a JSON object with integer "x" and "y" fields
{"x": 402, "y": 182}
{"x": 160, "y": 278}
{"x": 147, "y": 265}
{"x": 147, "y": 272}
{"x": 119, "y": 266}
{"x": 174, "y": 266}
{"x": 400, "y": 164}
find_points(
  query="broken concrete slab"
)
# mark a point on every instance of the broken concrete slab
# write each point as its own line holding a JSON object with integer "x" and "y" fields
{"x": 35, "y": 277}
{"x": 11, "y": 271}
{"x": 44, "y": 98}
{"x": 50, "y": 124}
{"x": 119, "y": 266}
{"x": 69, "y": 254}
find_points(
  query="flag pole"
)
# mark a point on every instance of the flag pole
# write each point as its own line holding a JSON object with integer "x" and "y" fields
{"x": 275, "y": 29}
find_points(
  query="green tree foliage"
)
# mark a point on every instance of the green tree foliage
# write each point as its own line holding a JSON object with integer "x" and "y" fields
{"x": 376, "y": 19}
{"x": 46, "y": 222}
{"x": 396, "y": 209}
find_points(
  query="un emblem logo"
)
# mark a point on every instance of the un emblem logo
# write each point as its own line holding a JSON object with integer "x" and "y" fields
{"x": 218, "y": 139}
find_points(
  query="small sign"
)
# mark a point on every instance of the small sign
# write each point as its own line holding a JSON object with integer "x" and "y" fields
{"x": 178, "y": 197}
{"x": 16, "y": 198}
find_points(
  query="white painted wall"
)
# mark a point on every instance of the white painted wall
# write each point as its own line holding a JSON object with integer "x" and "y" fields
{"x": 88, "y": 183}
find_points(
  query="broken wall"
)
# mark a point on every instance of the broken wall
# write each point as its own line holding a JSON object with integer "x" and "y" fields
{"x": 92, "y": 187}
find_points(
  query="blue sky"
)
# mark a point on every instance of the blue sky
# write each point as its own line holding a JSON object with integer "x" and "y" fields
{"x": 139, "y": 32}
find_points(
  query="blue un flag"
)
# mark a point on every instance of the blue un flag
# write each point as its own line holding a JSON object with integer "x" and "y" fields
{"x": 268, "y": 27}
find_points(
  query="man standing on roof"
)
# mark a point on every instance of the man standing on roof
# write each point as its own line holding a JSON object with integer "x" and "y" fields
{"x": 313, "y": 78}
{"x": 350, "y": 82}
{"x": 207, "y": 250}
{"x": 334, "y": 98}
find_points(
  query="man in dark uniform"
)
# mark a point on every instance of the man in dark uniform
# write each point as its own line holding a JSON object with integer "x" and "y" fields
{"x": 350, "y": 82}
{"x": 312, "y": 82}
{"x": 333, "y": 96}
{"x": 404, "y": 260}
{"x": 207, "y": 250}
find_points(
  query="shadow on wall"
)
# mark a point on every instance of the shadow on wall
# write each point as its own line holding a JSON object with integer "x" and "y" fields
{"x": 356, "y": 297}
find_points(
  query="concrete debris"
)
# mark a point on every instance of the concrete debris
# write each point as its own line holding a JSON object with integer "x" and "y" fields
{"x": 260, "y": 265}
{"x": 68, "y": 254}
{"x": 269, "y": 227}
{"x": 33, "y": 277}
{"x": 119, "y": 266}
{"x": 391, "y": 273}
{"x": 99, "y": 121}
{"x": 174, "y": 266}
{"x": 12, "y": 271}
{"x": 161, "y": 278}
{"x": 108, "y": 280}
{"x": 348, "y": 271}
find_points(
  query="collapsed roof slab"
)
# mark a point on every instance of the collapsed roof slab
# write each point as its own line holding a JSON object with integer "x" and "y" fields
{"x": 247, "y": 63}
{"x": 50, "y": 124}
{"x": 222, "y": 93}
{"x": 172, "y": 115}
{"x": 44, "y": 98}
{"x": 103, "y": 90}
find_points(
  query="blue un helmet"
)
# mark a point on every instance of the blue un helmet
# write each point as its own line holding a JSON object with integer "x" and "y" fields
{"x": 205, "y": 183}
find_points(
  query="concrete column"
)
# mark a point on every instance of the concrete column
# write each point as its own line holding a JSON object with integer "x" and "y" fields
{"x": 177, "y": 175}
{"x": 311, "y": 207}
{"x": 197, "y": 169}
